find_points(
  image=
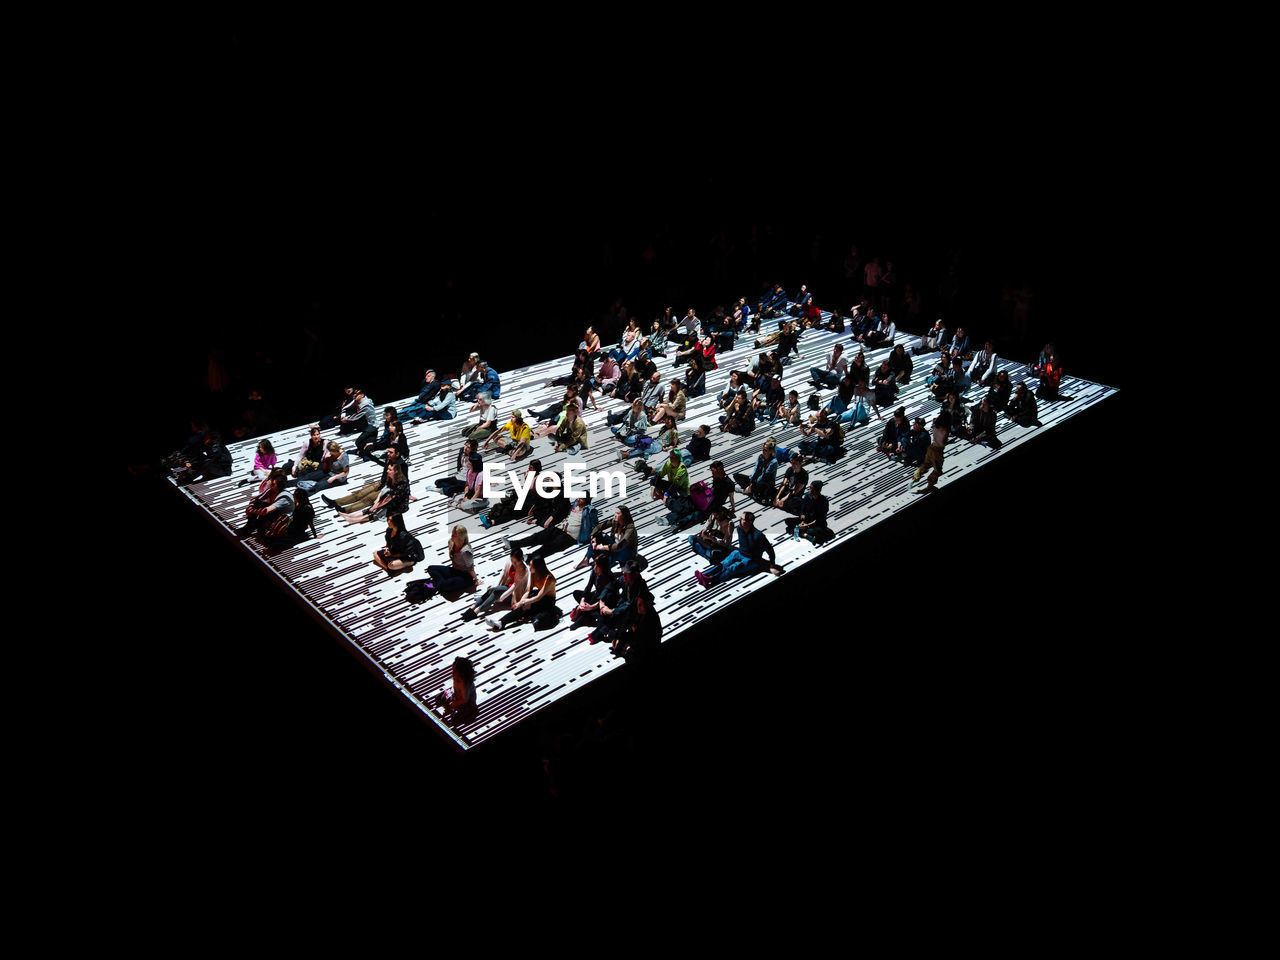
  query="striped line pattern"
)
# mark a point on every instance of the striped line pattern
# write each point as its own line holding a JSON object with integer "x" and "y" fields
{"x": 520, "y": 671}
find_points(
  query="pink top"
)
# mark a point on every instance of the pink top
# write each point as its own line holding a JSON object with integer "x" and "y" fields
{"x": 263, "y": 461}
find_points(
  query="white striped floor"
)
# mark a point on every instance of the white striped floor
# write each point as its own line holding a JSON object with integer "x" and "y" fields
{"x": 520, "y": 671}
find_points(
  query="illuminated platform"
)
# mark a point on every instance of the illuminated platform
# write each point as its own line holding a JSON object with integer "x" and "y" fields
{"x": 520, "y": 671}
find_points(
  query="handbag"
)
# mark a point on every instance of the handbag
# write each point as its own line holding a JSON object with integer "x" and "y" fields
{"x": 700, "y": 494}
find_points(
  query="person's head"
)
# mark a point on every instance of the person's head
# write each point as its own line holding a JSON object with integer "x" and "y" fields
{"x": 277, "y": 478}
{"x": 748, "y": 521}
{"x": 459, "y": 537}
{"x": 396, "y": 428}
{"x": 797, "y": 461}
{"x": 430, "y": 376}
{"x": 675, "y": 458}
{"x": 703, "y": 430}
{"x": 335, "y": 449}
{"x": 637, "y": 406}
{"x": 395, "y": 471}
{"x": 315, "y": 432}
{"x": 1021, "y": 391}
{"x": 517, "y": 555}
{"x": 770, "y": 445}
{"x": 571, "y": 412}
{"x": 839, "y": 349}
{"x": 717, "y": 469}
{"x": 815, "y": 488}
{"x": 539, "y": 567}
{"x": 589, "y": 332}
{"x": 722, "y": 513}
{"x": 266, "y": 447}
{"x": 793, "y": 397}
{"x": 601, "y": 563}
{"x": 1002, "y": 378}
{"x": 953, "y": 398}
{"x": 388, "y": 414}
{"x": 957, "y": 365}
{"x": 535, "y": 466}
{"x": 393, "y": 454}
{"x": 583, "y": 501}
{"x": 899, "y": 415}
{"x": 468, "y": 447}
{"x": 464, "y": 671}
{"x": 483, "y": 399}
{"x": 622, "y": 518}
{"x": 358, "y": 393}
{"x": 669, "y": 421}
{"x": 631, "y": 571}
{"x": 898, "y": 350}
{"x": 476, "y": 461}
{"x": 917, "y": 424}
{"x": 395, "y": 524}
{"x": 655, "y": 377}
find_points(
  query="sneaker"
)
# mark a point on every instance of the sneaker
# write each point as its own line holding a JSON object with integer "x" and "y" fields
{"x": 591, "y": 638}
{"x": 485, "y": 521}
{"x": 328, "y": 501}
{"x": 493, "y": 625}
{"x": 701, "y": 578}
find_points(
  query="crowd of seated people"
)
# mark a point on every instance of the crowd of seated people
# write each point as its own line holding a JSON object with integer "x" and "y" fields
{"x": 644, "y": 413}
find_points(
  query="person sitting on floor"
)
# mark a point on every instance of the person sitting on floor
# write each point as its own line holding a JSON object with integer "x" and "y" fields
{"x": 358, "y": 416}
{"x": 443, "y": 407}
{"x": 430, "y": 387}
{"x": 699, "y": 445}
{"x": 616, "y": 538}
{"x": 983, "y": 367}
{"x": 982, "y": 425}
{"x": 549, "y": 420}
{"x": 674, "y": 404}
{"x": 367, "y": 495}
{"x": 1022, "y": 408}
{"x": 573, "y": 530}
{"x": 402, "y": 550}
{"x": 486, "y": 380}
{"x": 739, "y": 418}
{"x": 514, "y": 438}
{"x": 459, "y": 701}
{"x": 789, "y": 410}
{"x": 753, "y": 547}
{"x": 672, "y": 476}
{"x": 760, "y": 484}
{"x": 474, "y": 496}
{"x": 488, "y": 419}
{"x": 828, "y": 376}
{"x": 460, "y": 575}
{"x": 538, "y": 604}
{"x": 311, "y": 454}
{"x": 394, "y": 437}
{"x": 630, "y": 425}
{"x": 766, "y": 400}
{"x": 803, "y": 299}
{"x": 734, "y": 387}
{"x": 264, "y": 461}
{"x": 894, "y": 433}
{"x": 335, "y": 467}
{"x": 454, "y": 484}
{"x": 934, "y": 339}
{"x": 824, "y": 438}
{"x": 914, "y": 444}
{"x": 270, "y": 510}
{"x": 511, "y": 588}
{"x": 609, "y": 374}
{"x": 392, "y": 500}
{"x": 213, "y": 461}
{"x": 1050, "y": 379}
{"x": 883, "y": 334}
{"x": 794, "y": 483}
{"x": 715, "y": 540}
{"x": 1001, "y": 390}
{"x": 885, "y": 384}
{"x": 571, "y": 436}
{"x": 812, "y": 522}
{"x": 600, "y": 596}
{"x": 901, "y": 365}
